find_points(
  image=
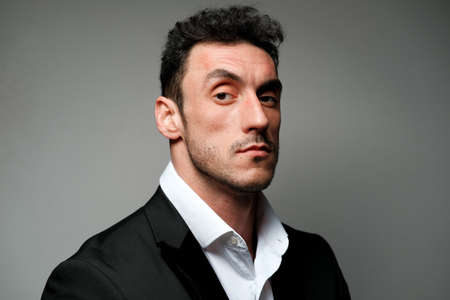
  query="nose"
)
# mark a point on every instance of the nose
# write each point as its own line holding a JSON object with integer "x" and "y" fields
{"x": 253, "y": 115}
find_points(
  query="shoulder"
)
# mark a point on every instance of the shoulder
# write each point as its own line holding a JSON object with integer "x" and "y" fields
{"x": 108, "y": 262}
{"x": 307, "y": 242}
{"x": 123, "y": 238}
{"x": 79, "y": 279}
{"x": 310, "y": 257}
{"x": 311, "y": 247}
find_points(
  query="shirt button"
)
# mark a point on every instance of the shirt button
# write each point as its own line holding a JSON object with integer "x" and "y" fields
{"x": 234, "y": 241}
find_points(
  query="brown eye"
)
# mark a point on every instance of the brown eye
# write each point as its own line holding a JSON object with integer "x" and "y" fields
{"x": 270, "y": 100}
{"x": 222, "y": 96}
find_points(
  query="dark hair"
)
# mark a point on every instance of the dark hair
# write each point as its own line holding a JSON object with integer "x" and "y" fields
{"x": 227, "y": 25}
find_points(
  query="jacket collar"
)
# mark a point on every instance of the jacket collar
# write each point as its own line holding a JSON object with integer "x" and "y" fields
{"x": 167, "y": 225}
{"x": 180, "y": 249}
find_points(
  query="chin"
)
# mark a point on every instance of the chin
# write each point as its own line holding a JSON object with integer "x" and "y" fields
{"x": 255, "y": 183}
{"x": 253, "y": 187}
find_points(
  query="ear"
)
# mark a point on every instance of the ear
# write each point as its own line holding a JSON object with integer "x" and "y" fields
{"x": 168, "y": 118}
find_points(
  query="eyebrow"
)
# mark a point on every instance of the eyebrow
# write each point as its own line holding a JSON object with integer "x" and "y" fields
{"x": 222, "y": 73}
{"x": 273, "y": 85}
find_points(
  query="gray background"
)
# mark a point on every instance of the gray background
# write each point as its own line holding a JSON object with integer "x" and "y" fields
{"x": 364, "y": 139}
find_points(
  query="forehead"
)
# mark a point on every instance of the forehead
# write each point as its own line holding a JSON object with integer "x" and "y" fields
{"x": 243, "y": 59}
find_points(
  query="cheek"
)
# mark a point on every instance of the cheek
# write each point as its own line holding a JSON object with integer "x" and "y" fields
{"x": 216, "y": 119}
{"x": 209, "y": 126}
{"x": 275, "y": 122}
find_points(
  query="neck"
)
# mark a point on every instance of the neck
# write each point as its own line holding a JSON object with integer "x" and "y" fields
{"x": 237, "y": 209}
{"x": 239, "y": 212}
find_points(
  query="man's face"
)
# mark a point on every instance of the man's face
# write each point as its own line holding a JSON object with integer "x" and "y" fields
{"x": 231, "y": 95}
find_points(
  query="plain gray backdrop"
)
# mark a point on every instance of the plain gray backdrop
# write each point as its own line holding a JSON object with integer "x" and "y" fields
{"x": 364, "y": 157}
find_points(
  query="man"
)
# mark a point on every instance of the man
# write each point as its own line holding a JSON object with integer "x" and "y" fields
{"x": 208, "y": 232}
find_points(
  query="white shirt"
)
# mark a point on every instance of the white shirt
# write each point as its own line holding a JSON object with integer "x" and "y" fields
{"x": 226, "y": 251}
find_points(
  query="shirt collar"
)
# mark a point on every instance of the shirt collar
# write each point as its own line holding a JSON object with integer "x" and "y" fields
{"x": 271, "y": 232}
{"x": 207, "y": 226}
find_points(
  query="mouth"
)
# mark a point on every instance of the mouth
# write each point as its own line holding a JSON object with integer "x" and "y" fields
{"x": 260, "y": 148}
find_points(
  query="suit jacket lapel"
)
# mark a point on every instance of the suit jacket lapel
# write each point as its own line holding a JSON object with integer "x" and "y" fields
{"x": 181, "y": 251}
{"x": 278, "y": 289}
{"x": 287, "y": 276}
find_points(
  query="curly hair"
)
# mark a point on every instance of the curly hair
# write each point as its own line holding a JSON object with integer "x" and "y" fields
{"x": 227, "y": 25}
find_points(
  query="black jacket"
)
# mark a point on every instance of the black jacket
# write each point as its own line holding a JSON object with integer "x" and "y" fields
{"x": 152, "y": 254}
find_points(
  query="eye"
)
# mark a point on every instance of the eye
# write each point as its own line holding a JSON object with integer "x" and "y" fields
{"x": 223, "y": 96}
{"x": 268, "y": 100}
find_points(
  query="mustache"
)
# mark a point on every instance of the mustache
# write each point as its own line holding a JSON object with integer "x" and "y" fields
{"x": 252, "y": 140}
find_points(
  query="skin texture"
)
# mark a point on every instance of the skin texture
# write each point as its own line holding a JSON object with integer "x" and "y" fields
{"x": 225, "y": 144}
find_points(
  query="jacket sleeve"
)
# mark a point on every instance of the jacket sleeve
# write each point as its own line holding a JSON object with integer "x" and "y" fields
{"x": 79, "y": 280}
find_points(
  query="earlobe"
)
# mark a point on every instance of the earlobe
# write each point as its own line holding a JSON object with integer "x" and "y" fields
{"x": 168, "y": 119}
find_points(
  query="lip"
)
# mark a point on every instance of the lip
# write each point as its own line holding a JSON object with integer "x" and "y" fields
{"x": 257, "y": 149}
